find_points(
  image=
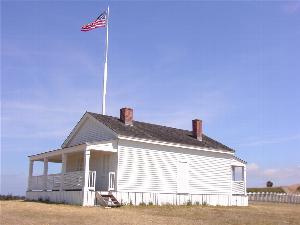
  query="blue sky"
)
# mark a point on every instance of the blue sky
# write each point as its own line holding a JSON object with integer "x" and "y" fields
{"x": 233, "y": 64}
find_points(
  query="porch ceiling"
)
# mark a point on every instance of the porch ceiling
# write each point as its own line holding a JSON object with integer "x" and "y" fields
{"x": 55, "y": 158}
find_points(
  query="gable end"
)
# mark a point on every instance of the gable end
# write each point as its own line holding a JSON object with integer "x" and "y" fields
{"x": 88, "y": 129}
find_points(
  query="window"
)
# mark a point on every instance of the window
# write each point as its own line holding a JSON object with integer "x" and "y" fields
{"x": 237, "y": 173}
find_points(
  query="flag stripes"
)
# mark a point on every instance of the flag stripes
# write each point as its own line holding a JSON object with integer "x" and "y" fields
{"x": 99, "y": 22}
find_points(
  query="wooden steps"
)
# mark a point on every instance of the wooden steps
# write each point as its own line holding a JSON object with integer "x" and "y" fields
{"x": 106, "y": 200}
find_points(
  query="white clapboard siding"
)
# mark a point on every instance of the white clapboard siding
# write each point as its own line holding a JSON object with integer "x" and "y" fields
{"x": 238, "y": 187}
{"x": 67, "y": 197}
{"x": 74, "y": 162}
{"x": 183, "y": 177}
{"x": 152, "y": 168}
{"x": 90, "y": 131}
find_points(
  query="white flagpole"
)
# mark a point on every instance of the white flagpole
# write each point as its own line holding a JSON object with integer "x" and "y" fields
{"x": 105, "y": 67}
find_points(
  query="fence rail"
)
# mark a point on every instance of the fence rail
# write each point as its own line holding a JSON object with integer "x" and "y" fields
{"x": 274, "y": 197}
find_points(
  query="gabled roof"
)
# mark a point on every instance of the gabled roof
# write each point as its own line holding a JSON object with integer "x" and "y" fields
{"x": 157, "y": 132}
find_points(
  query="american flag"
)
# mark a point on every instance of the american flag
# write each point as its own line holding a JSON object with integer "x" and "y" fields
{"x": 99, "y": 22}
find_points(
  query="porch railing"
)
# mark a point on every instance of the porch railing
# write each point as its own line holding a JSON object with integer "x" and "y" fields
{"x": 71, "y": 181}
{"x": 53, "y": 181}
{"x": 36, "y": 182}
{"x": 238, "y": 187}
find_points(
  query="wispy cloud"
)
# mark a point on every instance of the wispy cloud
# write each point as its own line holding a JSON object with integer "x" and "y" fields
{"x": 270, "y": 141}
{"x": 258, "y": 176}
{"x": 47, "y": 97}
{"x": 208, "y": 106}
{"x": 252, "y": 167}
{"x": 38, "y": 119}
{"x": 291, "y": 7}
{"x": 34, "y": 108}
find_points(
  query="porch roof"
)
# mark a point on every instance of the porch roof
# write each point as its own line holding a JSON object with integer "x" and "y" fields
{"x": 55, "y": 155}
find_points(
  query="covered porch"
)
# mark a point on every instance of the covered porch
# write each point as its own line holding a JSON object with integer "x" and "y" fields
{"x": 86, "y": 168}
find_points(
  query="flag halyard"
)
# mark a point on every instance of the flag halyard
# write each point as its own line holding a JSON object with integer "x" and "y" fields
{"x": 98, "y": 23}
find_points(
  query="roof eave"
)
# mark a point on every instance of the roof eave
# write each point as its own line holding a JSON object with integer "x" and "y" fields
{"x": 173, "y": 144}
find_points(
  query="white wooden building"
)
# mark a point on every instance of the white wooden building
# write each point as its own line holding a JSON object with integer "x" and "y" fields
{"x": 110, "y": 161}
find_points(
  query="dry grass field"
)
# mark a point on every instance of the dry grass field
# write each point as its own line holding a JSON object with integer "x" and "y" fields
{"x": 21, "y": 212}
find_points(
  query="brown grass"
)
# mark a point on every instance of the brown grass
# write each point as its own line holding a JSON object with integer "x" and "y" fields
{"x": 267, "y": 189}
{"x": 295, "y": 188}
{"x": 21, "y": 212}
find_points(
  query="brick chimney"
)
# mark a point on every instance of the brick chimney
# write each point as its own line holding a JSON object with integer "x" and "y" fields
{"x": 126, "y": 115}
{"x": 197, "y": 129}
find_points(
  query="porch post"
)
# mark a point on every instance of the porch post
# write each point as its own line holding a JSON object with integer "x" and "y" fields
{"x": 85, "y": 189}
{"x": 30, "y": 174}
{"x": 87, "y": 155}
{"x": 45, "y": 173}
{"x": 245, "y": 179}
{"x": 63, "y": 170}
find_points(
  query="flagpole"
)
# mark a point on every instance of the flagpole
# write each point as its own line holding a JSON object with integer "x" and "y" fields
{"x": 105, "y": 68}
